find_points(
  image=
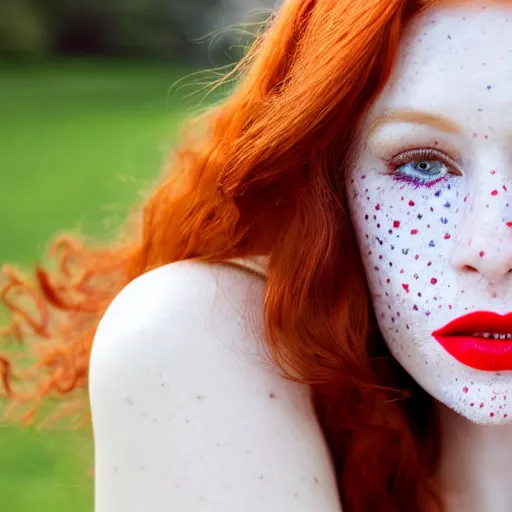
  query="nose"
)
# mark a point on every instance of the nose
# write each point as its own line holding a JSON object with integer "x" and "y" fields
{"x": 485, "y": 248}
{"x": 493, "y": 264}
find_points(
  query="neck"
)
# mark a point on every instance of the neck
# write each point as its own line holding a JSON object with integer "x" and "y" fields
{"x": 475, "y": 464}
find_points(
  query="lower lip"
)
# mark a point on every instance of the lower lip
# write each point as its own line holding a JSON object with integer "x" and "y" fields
{"x": 479, "y": 353}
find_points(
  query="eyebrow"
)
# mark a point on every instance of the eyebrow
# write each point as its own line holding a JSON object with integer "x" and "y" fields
{"x": 416, "y": 117}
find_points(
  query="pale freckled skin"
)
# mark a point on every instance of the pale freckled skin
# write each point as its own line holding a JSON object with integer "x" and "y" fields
{"x": 435, "y": 250}
{"x": 421, "y": 242}
{"x": 403, "y": 224}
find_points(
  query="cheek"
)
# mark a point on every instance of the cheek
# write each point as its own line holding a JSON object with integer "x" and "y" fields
{"x": 406, "y": 236}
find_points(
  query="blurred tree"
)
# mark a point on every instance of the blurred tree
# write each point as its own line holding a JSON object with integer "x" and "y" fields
{"x": 23, "y": 31}
{"x": 146, "y": 28}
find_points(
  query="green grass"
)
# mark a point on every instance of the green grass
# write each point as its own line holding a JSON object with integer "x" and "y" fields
{"x": 77, "y": 143}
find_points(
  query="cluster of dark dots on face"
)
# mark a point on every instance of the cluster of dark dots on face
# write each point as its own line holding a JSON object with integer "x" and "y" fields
{"x": 416, "y": 232}
{"x": 405, "y": 234}
{"x": 497, "y": 403}
{"x": 409, "y": 234}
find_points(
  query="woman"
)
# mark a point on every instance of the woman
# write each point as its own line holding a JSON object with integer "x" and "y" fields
{"x": 347, "y": 209}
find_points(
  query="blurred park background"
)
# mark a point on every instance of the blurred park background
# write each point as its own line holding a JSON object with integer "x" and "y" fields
{"x": 87, "y": 119}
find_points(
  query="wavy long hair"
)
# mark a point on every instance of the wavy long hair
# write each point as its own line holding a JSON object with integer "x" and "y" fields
{"x": 266, "y": 177}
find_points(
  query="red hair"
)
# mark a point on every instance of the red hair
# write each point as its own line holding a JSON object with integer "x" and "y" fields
{"x": 266, "y": 177}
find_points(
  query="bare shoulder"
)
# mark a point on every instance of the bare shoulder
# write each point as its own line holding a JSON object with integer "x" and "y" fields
{"x": 186, "y": 409}
{"x": 176, "y": 302}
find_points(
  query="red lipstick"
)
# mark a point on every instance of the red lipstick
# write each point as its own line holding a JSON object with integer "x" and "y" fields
{"x": 480, "y": 340}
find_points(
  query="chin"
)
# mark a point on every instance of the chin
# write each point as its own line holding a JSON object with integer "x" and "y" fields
{"x": 482, "y": 419}
{"x": 487, "y": 408}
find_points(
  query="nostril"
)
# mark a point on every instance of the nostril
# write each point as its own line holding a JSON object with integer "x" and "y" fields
{"x": 469, "y": 268}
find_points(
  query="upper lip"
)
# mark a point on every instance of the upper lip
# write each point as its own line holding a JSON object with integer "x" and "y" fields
{"x": 477, "y": 322}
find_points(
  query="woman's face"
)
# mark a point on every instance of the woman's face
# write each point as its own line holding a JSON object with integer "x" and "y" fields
{"x": 430, "y": 196}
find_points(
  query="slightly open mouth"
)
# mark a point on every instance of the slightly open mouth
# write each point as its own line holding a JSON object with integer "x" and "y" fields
{"x": 479, "y": 340}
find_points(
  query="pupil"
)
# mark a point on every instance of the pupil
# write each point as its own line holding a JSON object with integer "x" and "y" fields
{"x": 423, "y": 166}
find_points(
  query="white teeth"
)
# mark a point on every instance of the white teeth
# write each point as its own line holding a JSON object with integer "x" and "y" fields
{"x": 493, "y": 335}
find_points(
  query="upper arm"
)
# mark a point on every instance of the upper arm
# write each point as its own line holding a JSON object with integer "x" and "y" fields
{"x": 187, "y": 415}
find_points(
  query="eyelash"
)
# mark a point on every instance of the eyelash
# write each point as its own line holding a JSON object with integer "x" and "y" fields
{"x": 416, "y": 156}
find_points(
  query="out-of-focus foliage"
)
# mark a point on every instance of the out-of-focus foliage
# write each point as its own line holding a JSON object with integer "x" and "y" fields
{"x": 23, "y": 30}
{"x": 163, "y": 29}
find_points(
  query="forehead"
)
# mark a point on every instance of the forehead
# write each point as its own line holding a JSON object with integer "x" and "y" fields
{"x": 452, "y": 57}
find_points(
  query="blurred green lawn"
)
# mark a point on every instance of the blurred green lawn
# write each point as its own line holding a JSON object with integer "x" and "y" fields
{"x": 77, "y": 142}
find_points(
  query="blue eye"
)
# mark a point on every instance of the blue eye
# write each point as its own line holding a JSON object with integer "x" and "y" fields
{"x": 424, "y": 170}
{"x": 423, "y": 166}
